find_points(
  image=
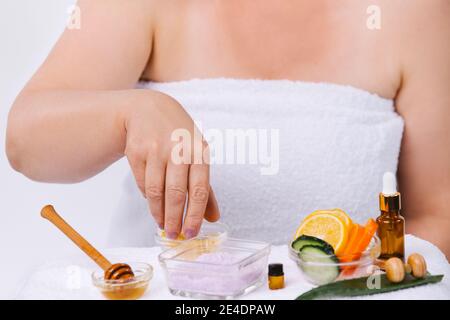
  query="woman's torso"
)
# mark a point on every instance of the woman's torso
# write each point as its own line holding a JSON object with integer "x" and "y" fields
{"x": 335, "y": 140}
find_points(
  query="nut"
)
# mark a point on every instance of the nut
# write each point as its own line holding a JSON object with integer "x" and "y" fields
{"x": 395, "y": 270}
{"x": 418, "y": 265}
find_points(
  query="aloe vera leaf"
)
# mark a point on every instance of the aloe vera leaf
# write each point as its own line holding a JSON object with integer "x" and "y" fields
{"x": 358, "y": 287}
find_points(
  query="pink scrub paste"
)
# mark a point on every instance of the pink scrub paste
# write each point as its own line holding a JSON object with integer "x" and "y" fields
{"x": 217, "y": 274}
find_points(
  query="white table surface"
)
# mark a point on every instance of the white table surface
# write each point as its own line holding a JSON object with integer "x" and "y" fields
{"x": 70, "y": 278}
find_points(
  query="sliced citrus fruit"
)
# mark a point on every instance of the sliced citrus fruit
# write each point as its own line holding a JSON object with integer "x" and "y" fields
{"x": 327, "y": 227}
{"x": 337, "y": 212}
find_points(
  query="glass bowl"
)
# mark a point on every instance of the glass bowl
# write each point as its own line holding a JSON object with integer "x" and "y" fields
{"x": 200, "y": 268}
{"x": 129, "y": 289}
{"x": 212, "y": 230}
{"x": 319, "y": 270}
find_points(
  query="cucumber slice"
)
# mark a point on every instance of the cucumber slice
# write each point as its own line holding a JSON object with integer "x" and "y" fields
{"x": 319, "y": 264}
{"x": 305, "y": 240}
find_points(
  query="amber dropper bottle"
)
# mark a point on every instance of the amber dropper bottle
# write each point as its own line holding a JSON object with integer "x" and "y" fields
{"x": 391, "y": 225}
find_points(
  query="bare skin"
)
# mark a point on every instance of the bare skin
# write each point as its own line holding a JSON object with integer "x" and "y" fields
{"x": 323, "y": 40}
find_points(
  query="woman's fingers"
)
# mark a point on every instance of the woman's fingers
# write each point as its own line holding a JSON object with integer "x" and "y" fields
{"x": 175, "y": 198}
{"x": 155, "y": 174}
{"x": 212, "y": 213}
{"x": 165, "y": 186}
{"x": 198, "y": 195}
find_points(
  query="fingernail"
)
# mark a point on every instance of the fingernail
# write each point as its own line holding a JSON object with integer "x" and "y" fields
{"x": 190, "y": 233}
{"x": 172, "y": 235}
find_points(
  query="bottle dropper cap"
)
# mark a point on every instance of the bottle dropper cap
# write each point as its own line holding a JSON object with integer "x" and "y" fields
{"x": 389, "y": 184}
{"x": 390, "y": 199}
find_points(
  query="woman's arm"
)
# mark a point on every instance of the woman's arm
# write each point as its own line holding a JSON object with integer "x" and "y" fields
{"x": 64, "y": 126}
{"x": 68, "y": 135}
{"x": 424, "y": 102}
{"x": 80, "y": 113}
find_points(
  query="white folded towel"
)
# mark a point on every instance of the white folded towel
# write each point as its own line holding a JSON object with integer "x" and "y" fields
{"x": 70, "y": 279}
{"x": 335, "y": 143}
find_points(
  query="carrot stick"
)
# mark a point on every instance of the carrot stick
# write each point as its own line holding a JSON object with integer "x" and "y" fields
{"x": 362, "y": 240}
{"x": 370, "y": 229}
{"x": 356, "y": 233}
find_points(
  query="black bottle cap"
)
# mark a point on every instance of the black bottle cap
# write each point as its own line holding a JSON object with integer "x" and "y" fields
{"x": 276, "y": 269}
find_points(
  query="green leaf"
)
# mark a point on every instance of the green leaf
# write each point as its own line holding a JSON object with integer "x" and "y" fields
{"x": 358, "y": 287}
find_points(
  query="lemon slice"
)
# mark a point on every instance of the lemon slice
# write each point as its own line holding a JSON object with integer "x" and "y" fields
{"x": 325, "y": 226}
{"x": 338, "y": 213}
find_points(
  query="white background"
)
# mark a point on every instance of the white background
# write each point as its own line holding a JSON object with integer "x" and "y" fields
{"x": 28, "y": 30}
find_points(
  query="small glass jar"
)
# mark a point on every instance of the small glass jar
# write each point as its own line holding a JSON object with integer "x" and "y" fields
{"x": 201, "y": 268}
{"x": 276, "y": 276}
{"x": 128, "y": 289}
{"x": 315, "y": 269}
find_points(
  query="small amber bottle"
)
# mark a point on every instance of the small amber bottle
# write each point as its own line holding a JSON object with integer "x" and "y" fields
{"x": 391, "y": 225}
{"x": 276, "y": 276}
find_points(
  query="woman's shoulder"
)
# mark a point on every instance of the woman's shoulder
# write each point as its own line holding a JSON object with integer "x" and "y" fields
{"x": 422, "y": 24}
{"x": 414, "y": 16}
{"x": 409, "y": 27}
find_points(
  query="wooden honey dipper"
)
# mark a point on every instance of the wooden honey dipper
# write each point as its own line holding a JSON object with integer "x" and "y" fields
{"x": 117, "y": 271}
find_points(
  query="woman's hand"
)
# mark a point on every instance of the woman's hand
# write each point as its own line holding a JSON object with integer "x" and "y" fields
{"x": 164, "y": 176}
